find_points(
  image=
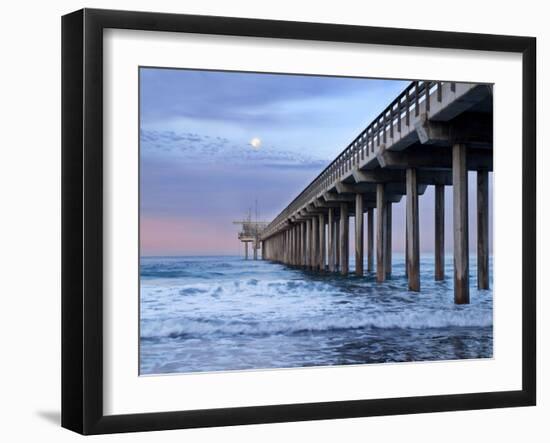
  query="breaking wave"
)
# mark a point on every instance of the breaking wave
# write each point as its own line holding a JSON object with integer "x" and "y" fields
{"x": 197, "y": 327}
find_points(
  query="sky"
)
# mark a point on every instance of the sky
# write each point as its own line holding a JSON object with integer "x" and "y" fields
{"x": 215, "y": 145}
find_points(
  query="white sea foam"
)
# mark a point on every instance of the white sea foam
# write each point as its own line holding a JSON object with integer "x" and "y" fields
{"x": 200, "y": 314}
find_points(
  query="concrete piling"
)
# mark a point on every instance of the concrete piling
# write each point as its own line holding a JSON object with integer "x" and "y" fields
{"x": 359, "y": 234}
{"x": 380, "y": 233}
{"x": 460, "y": 223}
{"x": 330, "y": 237}
{"x": 439, "y": 232}
{"x": 482, "y": 229}
{"x": 322, "y": 246}
{"x": 344, "y": 239}
{"x": 413, "y": 253}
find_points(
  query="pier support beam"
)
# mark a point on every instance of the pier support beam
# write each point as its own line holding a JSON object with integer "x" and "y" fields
{"x": 245, "y": 250}
{"x": 330, "y": 235}
{"x": 297, "y": 245}
{"x": 439, "y": 232}
{"x": 483, "y": 229}
{"x": 359, "y": 234}
{"x": 288, "y": 245}
{"x": 315, "y": 244}
{"x": 388, "y": 238}
{"x": 291, "y": 246}
{"x": 460, "y": 224}
{"x": 308, "y": 244}
{"x": 406, "y": 246}
{"x": 413, "y": 253}
{"x": 336, "y": 244}
{"x": 344, "y": 239}
{"x": 322, "y": 244}
{"x": 303, "y": 244}
{"x": 380, "y": 232}
{"x": 370, "y": 239}
{"x": 255, "y": 250}
{"x": 302, "y": 252}
{"x": 283, "y": 247}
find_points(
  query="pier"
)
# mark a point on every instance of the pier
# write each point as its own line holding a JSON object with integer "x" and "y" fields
{"x": 431, "y": 134}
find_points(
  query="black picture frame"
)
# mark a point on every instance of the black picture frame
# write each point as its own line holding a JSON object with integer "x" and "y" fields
{"x": 82, "y": 217}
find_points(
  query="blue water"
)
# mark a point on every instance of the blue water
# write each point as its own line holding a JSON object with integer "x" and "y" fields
{"x": 225, "y": 313}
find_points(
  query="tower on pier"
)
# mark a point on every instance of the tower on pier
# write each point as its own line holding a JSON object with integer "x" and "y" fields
{"x": 250, "y": 233}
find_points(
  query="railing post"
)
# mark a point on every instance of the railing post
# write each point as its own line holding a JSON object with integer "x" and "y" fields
{"x": 427, "y": 96}
{"x": 407, "y": 110}
{"x": 391, "y": 121}
{"x": 416, "y": 99}
{"x": 399, "y": 116}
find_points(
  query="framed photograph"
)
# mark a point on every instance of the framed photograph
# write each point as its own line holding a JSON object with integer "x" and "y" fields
{"x": 269, "y": 221}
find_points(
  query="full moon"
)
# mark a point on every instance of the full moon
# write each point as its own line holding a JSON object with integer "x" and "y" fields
{"x": 256, "y": 143}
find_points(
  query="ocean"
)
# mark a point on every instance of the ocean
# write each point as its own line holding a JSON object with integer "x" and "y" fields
{"x": 224, "y": 313}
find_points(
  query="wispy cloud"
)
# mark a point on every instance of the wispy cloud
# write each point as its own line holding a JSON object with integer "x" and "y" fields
{"x": 204, "y": 149}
